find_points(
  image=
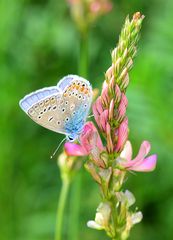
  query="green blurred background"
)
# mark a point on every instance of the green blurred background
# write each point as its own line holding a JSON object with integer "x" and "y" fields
{"x": 39, "y": 45}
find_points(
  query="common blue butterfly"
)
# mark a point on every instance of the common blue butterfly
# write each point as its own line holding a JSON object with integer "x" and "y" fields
{"x": 62, "y": 108}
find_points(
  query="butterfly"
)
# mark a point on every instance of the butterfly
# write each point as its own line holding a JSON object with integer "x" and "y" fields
{"x": 62, "y": 108}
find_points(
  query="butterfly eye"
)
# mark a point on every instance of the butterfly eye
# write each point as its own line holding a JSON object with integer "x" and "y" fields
{"x": 69, "y": 138}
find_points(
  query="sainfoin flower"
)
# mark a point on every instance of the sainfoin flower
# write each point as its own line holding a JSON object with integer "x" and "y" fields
{"x": 140, "y": 163}
{"x": 102, "y": 217}
{"x": 90, "y": 143}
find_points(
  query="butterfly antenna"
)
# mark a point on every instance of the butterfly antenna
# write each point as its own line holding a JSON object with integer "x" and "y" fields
{"x": 57, "y": 148}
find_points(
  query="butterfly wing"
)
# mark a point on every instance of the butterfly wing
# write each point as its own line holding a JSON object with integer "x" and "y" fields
{"x": 68, "y": 80}
{"x": 77, "y": 96}
{"x": 42, "y": 107}
{"x": 62, "y": 109}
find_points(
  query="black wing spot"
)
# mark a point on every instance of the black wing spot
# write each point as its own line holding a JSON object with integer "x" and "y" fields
{"x": 50, "y": 119}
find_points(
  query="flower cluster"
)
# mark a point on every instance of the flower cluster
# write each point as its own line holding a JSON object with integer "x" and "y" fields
{"x": 110, "y": 154}
{"x": 85, "y": 12}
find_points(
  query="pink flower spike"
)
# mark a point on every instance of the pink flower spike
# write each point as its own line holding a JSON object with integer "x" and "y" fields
{"x": 73, "y": 149}
{"x": 147, "y": 165}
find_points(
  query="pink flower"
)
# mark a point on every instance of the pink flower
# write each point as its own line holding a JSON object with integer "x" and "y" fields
{"x": 100, "y": 6}
{"x": 122, "y": 135}
{"x": 90, "y": 143}
{"x": 100, "y": 115}
{"x": 139, "y": 163}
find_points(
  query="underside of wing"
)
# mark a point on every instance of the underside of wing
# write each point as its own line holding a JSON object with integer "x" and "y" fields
{"x": 62, "y": 109}
{"x": 29, "y": 100}
{"x": 42, "y": 107}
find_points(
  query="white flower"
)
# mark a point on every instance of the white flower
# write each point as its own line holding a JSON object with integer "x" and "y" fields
{"x": 126, "y": 197}
{"x": 102, "y": 217}
{"x": 136, "y": 217}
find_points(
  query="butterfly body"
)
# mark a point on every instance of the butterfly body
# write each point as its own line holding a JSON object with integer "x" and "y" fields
{"x": 62, "y": 108}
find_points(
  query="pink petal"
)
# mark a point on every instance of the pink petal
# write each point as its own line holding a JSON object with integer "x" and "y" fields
{"x": 74, "y": 149}
{"x": 109, "y": 72}
{"x": 99, "y": 105}
{"x": 127, "y": 151}
{"x": 104, "y": 119}
{"x": 147, "y": 165}
{"x": 143, "y": 151}
{"x": 90, "y": 137}
{"x": 96, "y": 114}
{"x": 122, "y": 135}
{"x": 117, "y": 93}
{"x": 124, "y": 99}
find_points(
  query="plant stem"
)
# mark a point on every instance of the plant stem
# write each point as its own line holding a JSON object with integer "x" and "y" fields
{"x": 76, "y": 187}
{"x": 61, "y": 207}
{"x": 83, "y": 55}
{"x": 75, "y": 207}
